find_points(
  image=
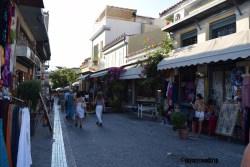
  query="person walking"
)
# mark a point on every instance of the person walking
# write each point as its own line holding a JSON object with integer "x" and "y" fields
{"x": 80, "y": 109}
{"x": 100, "y": 105}
{"x": 69, "y": 105}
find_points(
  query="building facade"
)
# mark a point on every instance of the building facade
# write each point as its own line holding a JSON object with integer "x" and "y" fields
{"x": 27, "y": 44}
{"x": 211, "y": 56}
{"x": 114, "y": 22}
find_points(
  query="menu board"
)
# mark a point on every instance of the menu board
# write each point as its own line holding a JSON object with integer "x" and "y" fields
{"x": 227, "y": 118}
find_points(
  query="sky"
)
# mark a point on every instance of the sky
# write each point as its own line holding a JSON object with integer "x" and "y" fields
{"x": 71, "y": 25}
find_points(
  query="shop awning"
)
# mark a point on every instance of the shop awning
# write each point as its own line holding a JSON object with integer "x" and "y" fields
{"x": 75, "y": 83}
{"x": 83, "y": 77}
{"x": 99, "y": 74}
{"x": 34, "y": 3}
{"x": 229, "y": 47}
{"x": 133, "y": 73}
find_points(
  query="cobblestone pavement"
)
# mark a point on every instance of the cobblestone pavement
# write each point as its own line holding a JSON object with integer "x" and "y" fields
{"x": 124, "y": 141}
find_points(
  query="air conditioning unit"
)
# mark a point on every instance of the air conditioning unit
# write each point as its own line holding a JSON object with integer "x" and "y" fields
{"x": 179, "y": 15}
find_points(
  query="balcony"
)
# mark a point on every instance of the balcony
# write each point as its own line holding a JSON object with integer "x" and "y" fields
{"x": 197, "y": 12}
{"x": 25, "y": 55}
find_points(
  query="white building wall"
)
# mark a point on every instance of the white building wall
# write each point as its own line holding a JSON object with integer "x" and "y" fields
{"x": 119, "y": 27}
{"x": 116, "y": 56}
{"x": 243, "y": 21}
{"x": 242, "y": 24}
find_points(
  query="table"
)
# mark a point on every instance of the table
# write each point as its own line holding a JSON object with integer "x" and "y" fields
{"x": 147, "y": 106}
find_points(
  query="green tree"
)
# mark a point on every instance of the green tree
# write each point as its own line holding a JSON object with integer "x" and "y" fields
{"x": 62, "y": 77}
{"x": 166, "y": 46}
{"x": 153, "y": 81}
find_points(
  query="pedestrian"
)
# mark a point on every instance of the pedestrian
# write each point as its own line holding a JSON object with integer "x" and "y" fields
{"x": 199, "y": 107}
{"x": 80, "y": 109}
{"x": 100, "y": 106}
{"x": 69, "y": 105}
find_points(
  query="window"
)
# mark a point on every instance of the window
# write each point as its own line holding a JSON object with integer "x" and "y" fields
{"x": 96, "y": 52}
{"x": 223, "y": 27}
{"x": 189, "y": 38}
{"x": 101, "y": 48}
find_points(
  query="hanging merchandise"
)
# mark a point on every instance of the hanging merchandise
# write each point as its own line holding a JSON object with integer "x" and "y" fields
{"x": 6, "y": 75}
{"x": 200, "y": 88}
{"x": 8, "y": 134}
{"x": 7, "y": 38}
{"x": 12, "y": 38}
{"x": 15, "y": 134}
{"x": 3, "y": 153}
{"x": 24, "y": 147}
{"x": 3, "y": 22}
{"x": 189, "y": 91}
{"x": 245, "y": 91}
{"x": 236, "y": 81}
{"x": 1, "y": 57}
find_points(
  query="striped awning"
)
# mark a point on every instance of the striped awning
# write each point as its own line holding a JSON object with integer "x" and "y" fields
{"x": 99, "y": 74}
{"x": 133, "y": 73}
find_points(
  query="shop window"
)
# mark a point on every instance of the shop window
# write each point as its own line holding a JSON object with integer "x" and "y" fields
{"x": 223, "y": 27}
{"x": 189, "y": 38}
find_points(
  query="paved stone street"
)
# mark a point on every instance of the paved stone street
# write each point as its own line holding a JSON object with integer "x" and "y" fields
{"x": 125, "y": 141}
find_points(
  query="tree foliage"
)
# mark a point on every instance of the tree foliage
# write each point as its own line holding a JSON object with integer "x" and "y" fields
{"x": 62, "y": 77}
{"x": 29, "y": 92}
{"x": 166, "y": 46}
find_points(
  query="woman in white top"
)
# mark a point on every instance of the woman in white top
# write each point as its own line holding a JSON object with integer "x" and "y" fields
{"x": 80, "y": 109}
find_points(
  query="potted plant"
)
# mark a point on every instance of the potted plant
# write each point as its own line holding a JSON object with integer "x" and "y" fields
{"x": 29, "y": 92}
{"x": 169, "y": 20}
{"x": 179, "y": 122}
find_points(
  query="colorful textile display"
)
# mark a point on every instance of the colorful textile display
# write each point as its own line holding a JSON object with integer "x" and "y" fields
{"x": 246, "y": 91}
{"x": 15, "y": 134}
{"x": 3, "y": 153}
{"x": 8, "y": 134}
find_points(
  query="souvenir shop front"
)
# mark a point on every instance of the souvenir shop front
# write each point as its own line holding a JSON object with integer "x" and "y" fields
{"x": 14, "y": 120}
{"x": 225, "y": 84}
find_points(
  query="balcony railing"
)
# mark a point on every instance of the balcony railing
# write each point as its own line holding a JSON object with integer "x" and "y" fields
{"x": 192, "y": 13}
{"x": 25, "y": 52}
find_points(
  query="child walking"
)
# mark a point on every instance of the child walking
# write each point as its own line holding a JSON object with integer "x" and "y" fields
{"x": 80, "y": 110}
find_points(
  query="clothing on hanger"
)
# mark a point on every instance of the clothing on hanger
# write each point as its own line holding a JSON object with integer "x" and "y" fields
{"x": 24, "y": 146}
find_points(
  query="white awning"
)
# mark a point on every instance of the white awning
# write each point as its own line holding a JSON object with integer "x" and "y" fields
{"x": 59, "y": 89}
{"x": 98, "y": 74}
{"x": 133, "y": 73}
{"x": 76, "y": 83}
{"x": 224, "y": 48}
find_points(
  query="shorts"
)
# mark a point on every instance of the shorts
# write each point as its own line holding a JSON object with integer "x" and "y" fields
{"x": 199, "y": 116}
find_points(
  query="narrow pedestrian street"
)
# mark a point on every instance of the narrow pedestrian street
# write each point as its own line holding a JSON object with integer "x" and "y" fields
{"x": 125, "y": 83}
{"x": 126, "y": 141}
